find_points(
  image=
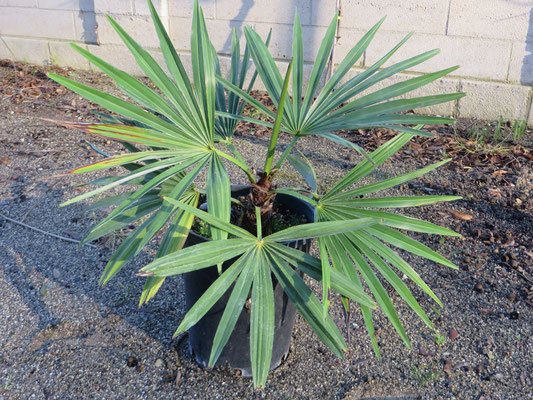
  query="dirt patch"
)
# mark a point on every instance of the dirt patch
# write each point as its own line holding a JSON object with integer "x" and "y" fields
{"x": 63, "y": 336}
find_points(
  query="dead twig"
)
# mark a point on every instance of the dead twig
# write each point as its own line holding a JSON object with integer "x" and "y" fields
{"x": 43, "y": 232}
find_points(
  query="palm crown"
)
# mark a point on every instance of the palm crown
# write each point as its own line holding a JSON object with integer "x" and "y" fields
{"x": 177, "y": 128}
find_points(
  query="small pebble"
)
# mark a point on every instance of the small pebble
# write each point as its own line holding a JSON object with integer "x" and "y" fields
{"x": 479, "y": 288}
{"x": 453, "y": 334}
{"x": 132, "y": 361}
{"x": 56, "y": 273}
{"x": 498, "y": 376}
{"x": 158, "y": 363}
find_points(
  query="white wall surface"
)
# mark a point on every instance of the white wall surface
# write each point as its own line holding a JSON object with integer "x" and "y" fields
{"x": 492, "y": 40}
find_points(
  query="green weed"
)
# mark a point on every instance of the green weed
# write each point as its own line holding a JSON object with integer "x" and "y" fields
{"x": 424, "y": 377}
{"x": 492, "y": 137}
{"x": 439, "y": 339}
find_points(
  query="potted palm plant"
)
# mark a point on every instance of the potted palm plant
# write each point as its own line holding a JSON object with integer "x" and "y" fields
{"x": 186, "y": 127}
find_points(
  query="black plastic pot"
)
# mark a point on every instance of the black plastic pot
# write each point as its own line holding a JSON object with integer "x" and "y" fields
{"x": 236, "y": 353}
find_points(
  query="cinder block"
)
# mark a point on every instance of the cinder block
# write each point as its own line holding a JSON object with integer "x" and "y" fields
{"x": 322, "y": 12}
{"x": 4, "y": 51}
{"x": 116, "y": 55}
{"x": 180, "y": 33}
{"x": 225, "y": 63}
{"x": 52, "y": 24}
{"x": 221, "y": 34}
{"x": 86, "y": 27}
{"x": 184, "y": 8}
{"x": 141, "y": 29}
{"x": 490, "y": 100}
{"x": 530, "y": 117}
{"x": 27, "y": 50}
{"x": 479, "y": 58}
{"x": 491, "y": 19}
{"x": 274, "y": 11}
{"x": 120, "y": 57}
{"x": 348, "y": 38}
{"x": 281, "y": 41}
{"x": 75, "y": 5}
{"x": 18, "y": 3}
{"x": 141, "y": 7}
{"x": 62, "y": 54}
{"x": 428, "y": 16}
{"x": 113, "y": 7}
{"x": 440, "y": 86}
{"x": 521, "y": 64}
{"x": 186, "y": 60}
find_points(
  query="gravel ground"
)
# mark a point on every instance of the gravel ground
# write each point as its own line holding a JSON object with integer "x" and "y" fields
{"x": 64, "y": 337}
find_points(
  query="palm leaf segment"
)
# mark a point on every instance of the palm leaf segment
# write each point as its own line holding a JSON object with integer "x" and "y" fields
{"x": 320, "y": 111}
{"x": 369, "y": 249}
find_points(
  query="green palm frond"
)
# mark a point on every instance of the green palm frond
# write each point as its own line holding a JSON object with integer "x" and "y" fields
{"x": 367, "y": 256}
{"x": 335, "y": 106}
{"x": 174, "y": 131}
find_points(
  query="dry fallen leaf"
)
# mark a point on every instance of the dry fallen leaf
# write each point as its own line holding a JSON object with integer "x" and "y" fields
{"x": 4, "y": 160}
{"x": 423, "y": 352}
{"x": 448, "y": 368}
{"x": 500, "y": 172}
{"x": 463, "y": 216}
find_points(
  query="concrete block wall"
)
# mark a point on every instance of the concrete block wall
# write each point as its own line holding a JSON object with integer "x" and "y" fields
{"x": 492, "y": 40}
